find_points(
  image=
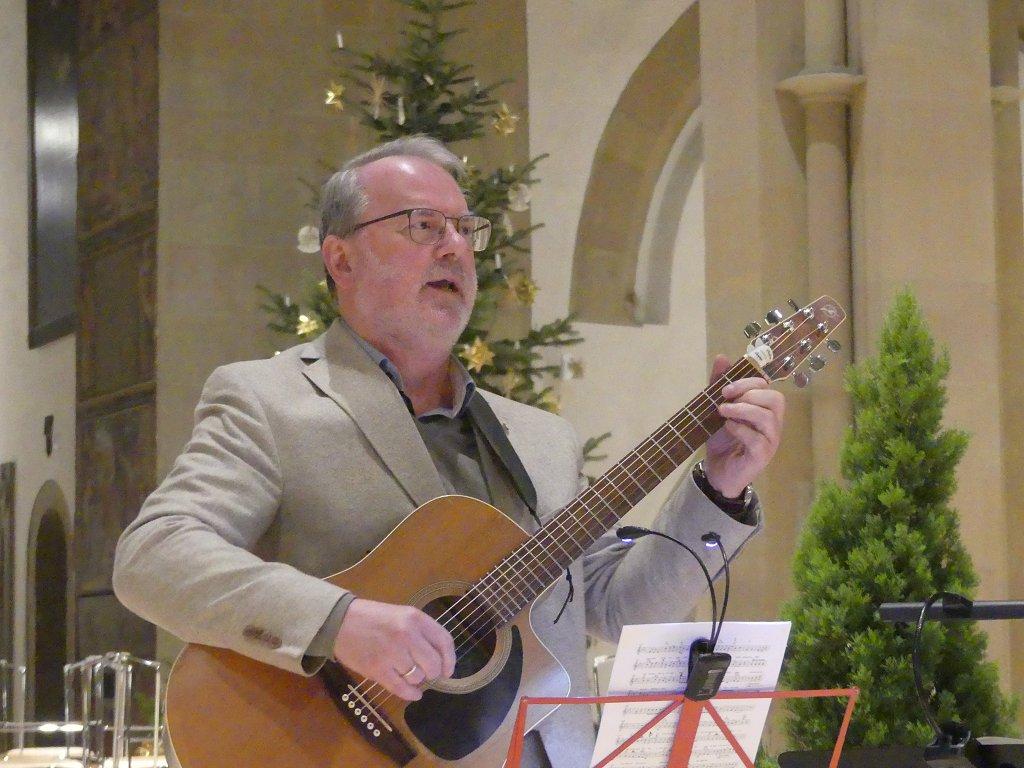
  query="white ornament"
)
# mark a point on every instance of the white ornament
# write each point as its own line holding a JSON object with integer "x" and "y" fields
{"x": 497, "y": 261}
{"x": 519, "y": 197}
{"x": 506, "y": 222}
{"x": 309, "y": 239}
{"x": 565, "y": 372}
{"x": 378, "y": 85}
{"x": 401, "y": 110}
{"x": 339, "y": 39}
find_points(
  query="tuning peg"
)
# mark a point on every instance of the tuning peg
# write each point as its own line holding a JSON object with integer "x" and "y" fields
{"x": 833, "y": 345}
{"x": 816, "y": 362}
{"x": 801, "y": 379}
{"x": 794, "y": 305}
{"x": 751, "y": 330}
{"x": 774, "y": 316}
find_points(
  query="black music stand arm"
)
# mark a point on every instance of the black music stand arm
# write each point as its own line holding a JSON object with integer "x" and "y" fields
{"x": 978, "y": 610}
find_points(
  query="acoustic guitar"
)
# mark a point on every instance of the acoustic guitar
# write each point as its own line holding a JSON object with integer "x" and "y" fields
{"x": 224, "y": 709}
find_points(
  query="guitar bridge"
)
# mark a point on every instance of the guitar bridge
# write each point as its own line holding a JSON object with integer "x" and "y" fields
{"x": 369, "y": 721}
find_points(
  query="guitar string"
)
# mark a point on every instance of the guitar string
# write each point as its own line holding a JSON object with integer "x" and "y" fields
{"x": 522, "y": 552}
{"x": 638, "y": 453}
{"x": 582, "y": 523}
{"x": 620, "y": 467}
{"x": 573, "y": 523}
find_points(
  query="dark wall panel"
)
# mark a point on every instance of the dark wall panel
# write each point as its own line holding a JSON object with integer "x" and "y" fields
{"x": 117, "y": 223}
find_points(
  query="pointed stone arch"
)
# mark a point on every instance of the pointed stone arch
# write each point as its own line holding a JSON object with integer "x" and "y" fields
{"x": 49, "y": 602}
{"x": 652, "y": 110}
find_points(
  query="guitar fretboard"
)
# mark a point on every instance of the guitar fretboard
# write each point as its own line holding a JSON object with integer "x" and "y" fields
{"x": 526, "y": 571}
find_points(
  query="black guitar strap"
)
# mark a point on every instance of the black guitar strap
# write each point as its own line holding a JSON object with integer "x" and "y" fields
{"x": 495, "y": 435}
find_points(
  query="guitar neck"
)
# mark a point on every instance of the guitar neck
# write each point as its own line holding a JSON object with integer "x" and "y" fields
{"x": 529, "y": 569}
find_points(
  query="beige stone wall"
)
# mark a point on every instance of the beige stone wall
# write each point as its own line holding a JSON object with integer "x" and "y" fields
{"x": 575, "y": 85}
{"x": 38, "y": 382}
{"x": 935, "y": 204}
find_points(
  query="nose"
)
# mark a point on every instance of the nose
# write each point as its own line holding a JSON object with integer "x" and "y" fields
{"x": 451, "y": 233}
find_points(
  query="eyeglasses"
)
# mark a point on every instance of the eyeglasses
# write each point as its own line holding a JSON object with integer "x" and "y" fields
{"x": 427, "y": 226}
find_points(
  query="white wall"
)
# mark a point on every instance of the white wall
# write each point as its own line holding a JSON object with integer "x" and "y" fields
{"x": 581, "y": 56}
{"x": 33, "y": 383}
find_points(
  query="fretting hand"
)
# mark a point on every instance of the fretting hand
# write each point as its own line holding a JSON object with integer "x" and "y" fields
{"x": 739, "y": 451}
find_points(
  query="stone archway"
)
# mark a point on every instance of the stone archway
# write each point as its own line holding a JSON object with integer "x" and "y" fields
{"x": 49, "y": 602}
{"x": 638, "y": 138}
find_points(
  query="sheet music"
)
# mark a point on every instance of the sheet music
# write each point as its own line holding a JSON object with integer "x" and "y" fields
{"x": 653, "y": 658}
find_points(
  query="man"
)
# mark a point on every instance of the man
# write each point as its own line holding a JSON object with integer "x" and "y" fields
{"x": 300, "y": 464}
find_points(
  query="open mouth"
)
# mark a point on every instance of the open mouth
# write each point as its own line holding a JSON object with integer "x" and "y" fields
{"x": 444, "y": 285}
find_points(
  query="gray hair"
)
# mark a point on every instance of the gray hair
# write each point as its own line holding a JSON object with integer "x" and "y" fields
{"x": 343, "y": 199}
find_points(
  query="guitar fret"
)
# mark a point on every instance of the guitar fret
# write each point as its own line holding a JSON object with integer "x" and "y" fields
{"x": 593, "y": 517}
{"x": 497, "y": 601}
{"x": 559, "y": 545}
{"x": 652, "y": 469}
{"x": 527, "y": 571}
{"x": 679, "y": 435}
{"x": 635, "y": 482}
{"x": 608, "y": 480}
{"x": 572, "y": 533}
{"x": 667, "y": 455}
{"x": 696, "y": 420}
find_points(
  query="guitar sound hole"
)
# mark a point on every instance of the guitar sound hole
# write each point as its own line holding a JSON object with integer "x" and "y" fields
{"x": 473, "y": 635}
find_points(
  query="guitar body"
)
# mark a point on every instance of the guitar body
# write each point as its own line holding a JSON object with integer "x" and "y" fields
{"x": 226, "y": 709}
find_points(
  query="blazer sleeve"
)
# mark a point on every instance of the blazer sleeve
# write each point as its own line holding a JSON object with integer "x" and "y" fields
{"x": 653, "y": 580}
{"x": 186, "y": 562}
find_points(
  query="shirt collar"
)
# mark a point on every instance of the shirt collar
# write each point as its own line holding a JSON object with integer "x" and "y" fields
{"x": 463, "y": 385}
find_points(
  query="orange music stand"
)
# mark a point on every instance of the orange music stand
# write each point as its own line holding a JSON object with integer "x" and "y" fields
{"x": 689, "y": 718}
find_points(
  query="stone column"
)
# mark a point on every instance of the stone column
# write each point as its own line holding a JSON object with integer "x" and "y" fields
{"x": 1004, "y": 29}
{"x": 824, "y": 88}
{"x": 755, "y": 230}
{"x": 923, "y": 212}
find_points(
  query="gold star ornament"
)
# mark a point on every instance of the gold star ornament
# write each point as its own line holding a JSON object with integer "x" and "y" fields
{"x": 334, "y": 94}
{"x": 477, "y": 355}
{"x": 521, "y": 288}
{"x": 505, "y": 120}
{"x": 511, "y": 381}
{"x": 549, "y": 402}
{"x": 307, "y": 326}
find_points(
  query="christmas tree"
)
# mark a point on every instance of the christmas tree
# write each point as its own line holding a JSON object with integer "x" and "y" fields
{"x": 419, "y": 90}
{"x": 889, "y": 535}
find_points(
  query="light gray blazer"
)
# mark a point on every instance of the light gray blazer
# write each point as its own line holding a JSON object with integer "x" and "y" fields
{"x": 300, "y": 464}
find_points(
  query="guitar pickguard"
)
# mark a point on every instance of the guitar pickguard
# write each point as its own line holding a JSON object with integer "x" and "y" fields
{"x": 452, "y": 726}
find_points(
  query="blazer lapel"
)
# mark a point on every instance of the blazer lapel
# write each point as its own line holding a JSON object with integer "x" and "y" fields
{"x": 344, "y": 372}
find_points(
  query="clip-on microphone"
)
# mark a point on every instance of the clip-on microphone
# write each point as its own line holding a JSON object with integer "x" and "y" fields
{"x": 707, "y": 668}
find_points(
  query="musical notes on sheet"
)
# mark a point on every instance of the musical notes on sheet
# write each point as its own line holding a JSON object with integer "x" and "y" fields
{"x": 653, "y": 658}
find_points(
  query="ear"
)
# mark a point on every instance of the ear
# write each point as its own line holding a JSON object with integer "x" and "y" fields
{"x": 335, "y": 254}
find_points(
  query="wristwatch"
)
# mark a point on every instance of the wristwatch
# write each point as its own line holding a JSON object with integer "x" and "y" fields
{"x": 732, "y": 506}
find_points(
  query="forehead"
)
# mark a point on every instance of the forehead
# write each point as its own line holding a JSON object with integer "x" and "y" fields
{"x": 396, "y": 183}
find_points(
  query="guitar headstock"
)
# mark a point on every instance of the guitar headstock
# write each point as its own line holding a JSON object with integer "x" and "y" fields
{"x": 786, "y": 343}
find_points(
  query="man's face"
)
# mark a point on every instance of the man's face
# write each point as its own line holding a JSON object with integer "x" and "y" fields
{"x": 392, "y": 289}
